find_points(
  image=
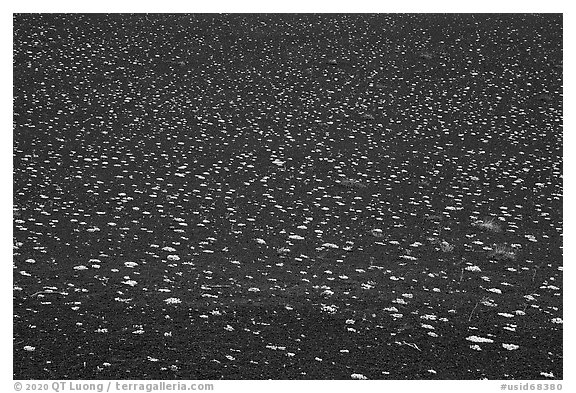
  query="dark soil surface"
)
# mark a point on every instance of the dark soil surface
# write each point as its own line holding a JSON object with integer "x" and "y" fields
{"x": 288, "y": 196}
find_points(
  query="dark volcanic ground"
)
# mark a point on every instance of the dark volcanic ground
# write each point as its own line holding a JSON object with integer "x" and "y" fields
{"x": 288, "y": 196}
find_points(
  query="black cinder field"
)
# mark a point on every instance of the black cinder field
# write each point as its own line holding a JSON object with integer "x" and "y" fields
{"x": 293, "y": 196}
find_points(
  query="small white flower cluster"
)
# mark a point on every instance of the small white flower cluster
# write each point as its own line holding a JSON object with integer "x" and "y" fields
{"x": 80, "y": 267}
{"x": 473, "y": 269}
{"x": 557, "y": 320}
{"x": 477, "y": 339}
{"x": 329, "y": 309}
{"x": 327, "y": 293}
